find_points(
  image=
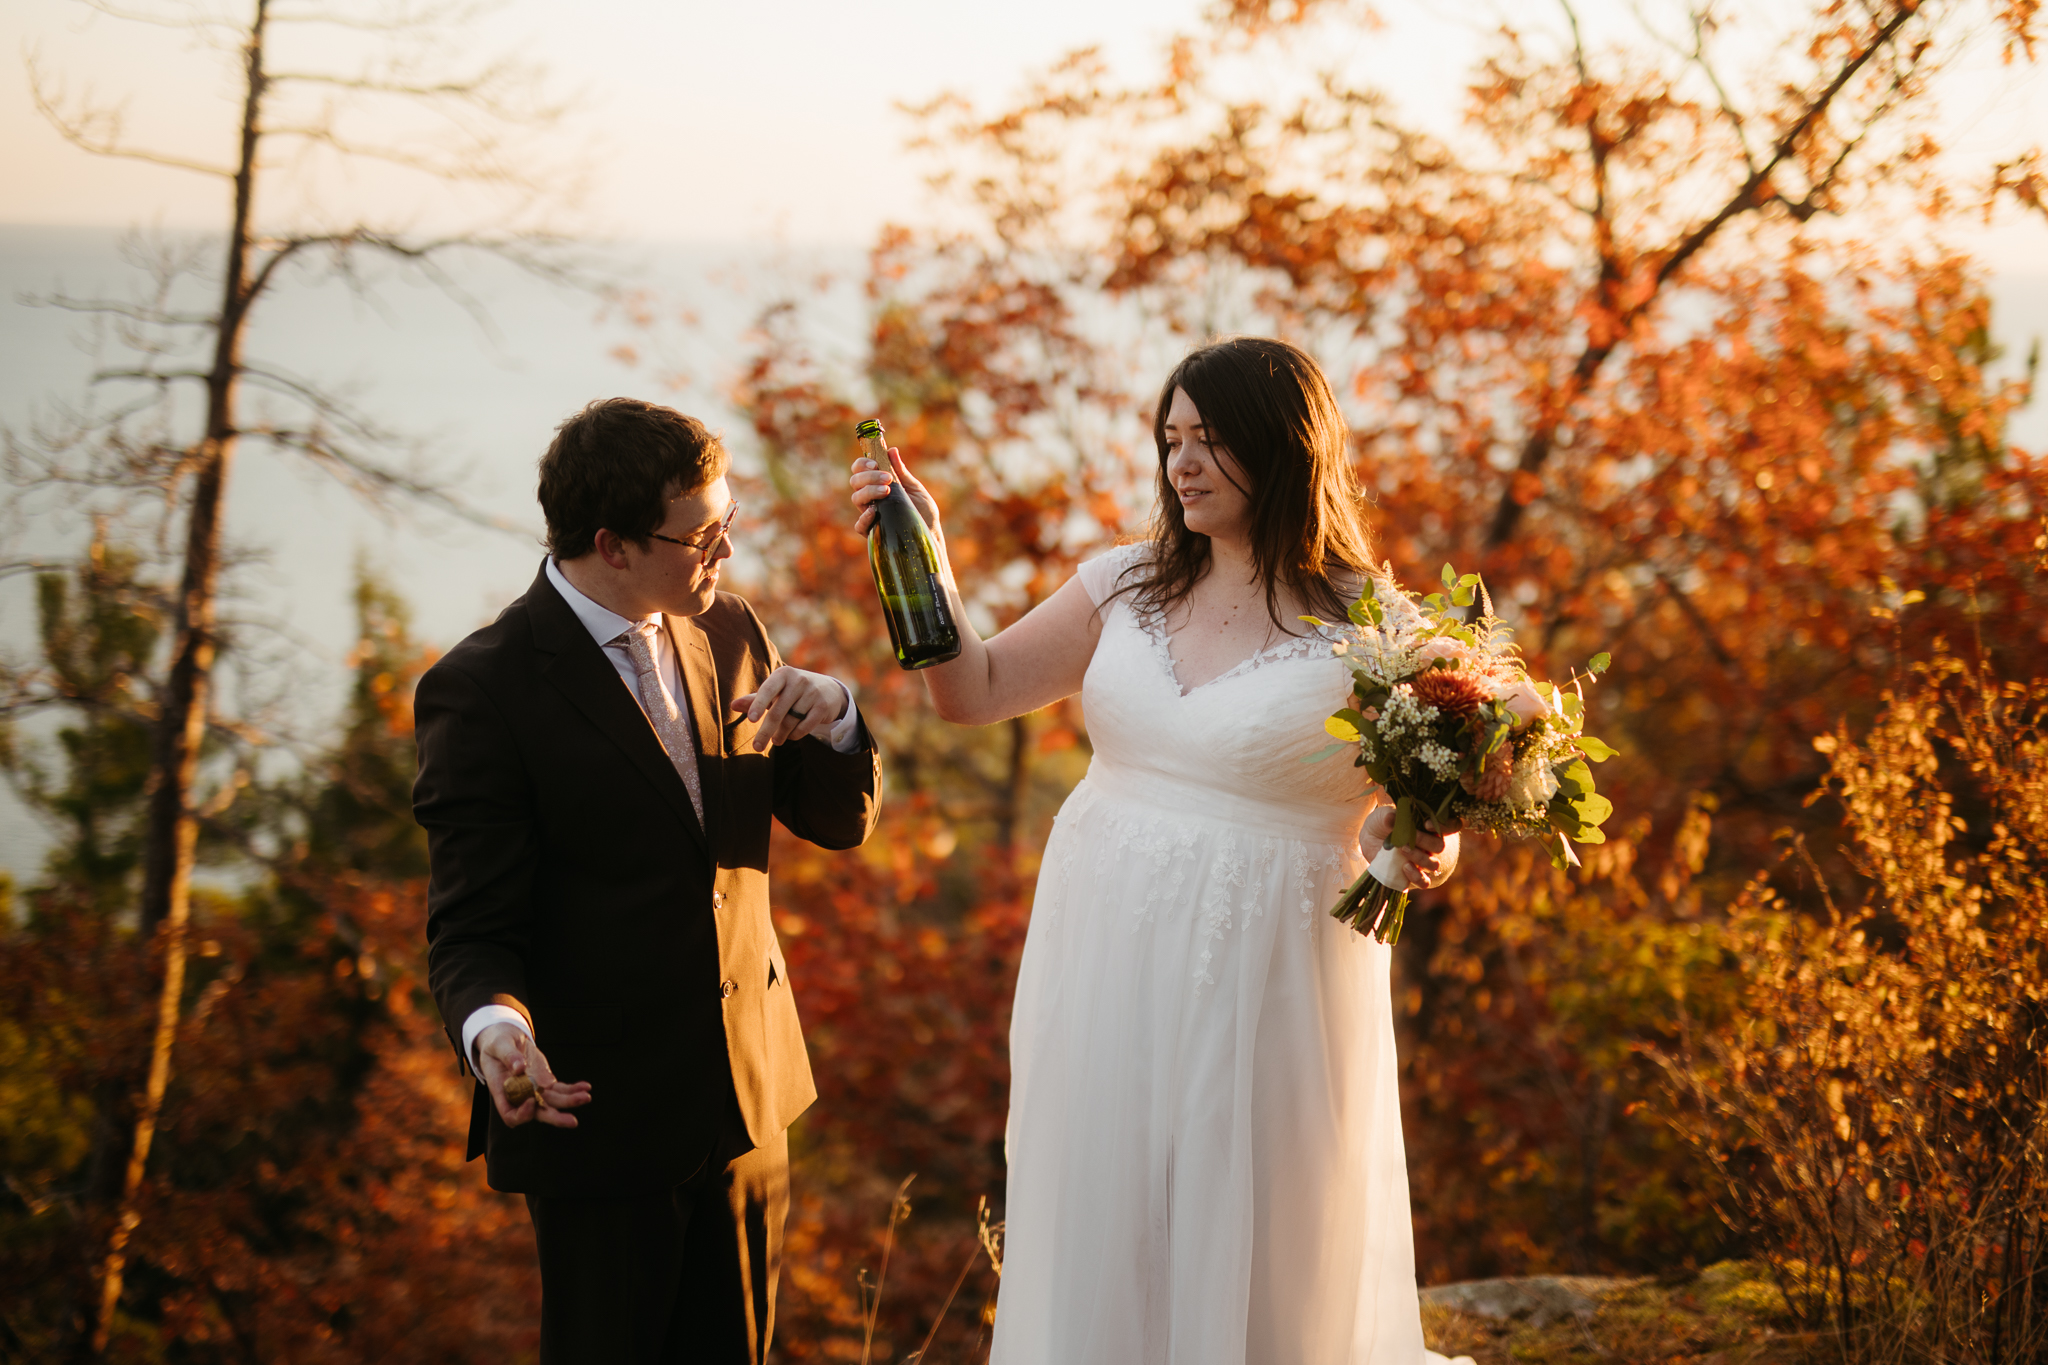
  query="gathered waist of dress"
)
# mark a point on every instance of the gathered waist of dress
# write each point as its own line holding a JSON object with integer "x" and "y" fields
{"x": 1310, "y": 822}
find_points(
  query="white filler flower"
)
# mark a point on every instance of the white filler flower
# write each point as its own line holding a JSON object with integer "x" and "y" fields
{"x": 1533, "y": 783}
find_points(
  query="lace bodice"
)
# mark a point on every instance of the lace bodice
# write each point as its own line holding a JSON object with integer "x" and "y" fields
{"x": 1241, "y": 744}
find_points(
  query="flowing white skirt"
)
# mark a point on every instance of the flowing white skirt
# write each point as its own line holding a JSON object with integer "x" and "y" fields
{"x": 1206, "y": 1165}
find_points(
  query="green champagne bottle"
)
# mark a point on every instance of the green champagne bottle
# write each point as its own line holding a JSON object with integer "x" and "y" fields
{"x": 905, "y": 561}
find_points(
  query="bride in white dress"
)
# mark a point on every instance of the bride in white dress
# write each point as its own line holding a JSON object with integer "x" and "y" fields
{"x": 1205, "y": 1158}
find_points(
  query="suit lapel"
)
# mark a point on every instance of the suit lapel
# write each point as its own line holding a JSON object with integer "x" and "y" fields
{"x": 707, "y": 710}
{"x": 586, "y": 677}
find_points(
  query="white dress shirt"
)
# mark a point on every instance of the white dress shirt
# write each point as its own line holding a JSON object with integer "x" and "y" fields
{"x": 605, "y": 627}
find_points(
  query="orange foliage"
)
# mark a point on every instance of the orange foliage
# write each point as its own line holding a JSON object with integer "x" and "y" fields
{"x": 1876, "y": 1100}
{"x": 307, "y": 1197}
{"x": 308, "y": 1200}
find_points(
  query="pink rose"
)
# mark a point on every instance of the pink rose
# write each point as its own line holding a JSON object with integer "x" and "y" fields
{"x": 1526, "y": 703}
{"x": 1442, "y": 648}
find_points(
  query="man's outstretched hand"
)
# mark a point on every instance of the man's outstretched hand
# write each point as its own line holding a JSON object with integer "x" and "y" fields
{"x": 505, "y": 1051}
{"x": 792, "y": 703}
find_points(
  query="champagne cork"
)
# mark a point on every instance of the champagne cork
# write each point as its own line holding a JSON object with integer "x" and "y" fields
{"x": 519, "y": 1089}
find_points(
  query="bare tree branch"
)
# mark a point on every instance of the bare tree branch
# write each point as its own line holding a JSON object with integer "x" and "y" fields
{"x": 374, "y": 480}
{"x": 133, "y": 312}
{"x": 158, "y": 377}
{"x": 1700, "y": 22}
{"x": 188, "y": 20}
{"x": 98, "y": 130}
{"x": 1786, "y": 146}
{"x": 418, "y": 18}
{"x": 473, "y": 164}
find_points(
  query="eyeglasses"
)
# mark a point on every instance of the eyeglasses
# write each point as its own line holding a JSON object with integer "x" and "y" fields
{"x": 710, "y": 547}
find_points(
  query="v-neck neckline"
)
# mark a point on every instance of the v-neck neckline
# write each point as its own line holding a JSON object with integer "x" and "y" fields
{"x": 1154, "y": 630}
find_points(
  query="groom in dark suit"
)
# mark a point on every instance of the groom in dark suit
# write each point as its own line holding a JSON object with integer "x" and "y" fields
{"x": 598, "y": 768}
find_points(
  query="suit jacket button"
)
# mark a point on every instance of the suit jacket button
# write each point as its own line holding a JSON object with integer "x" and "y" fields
{"x": 718, "y": 900}
{"x": 726, "y": 988}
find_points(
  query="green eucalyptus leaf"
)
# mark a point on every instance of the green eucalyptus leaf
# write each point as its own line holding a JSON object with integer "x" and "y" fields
{"x": 1574, "y": 778}
{"x": 1593, "y": 808}
{"x": 1596, "y": 750}
{"x": 1323, "y": 753}
{"x": 1497, "y": 733}
{"x": 1346, "y": 727}
{"x": 1461, "y": 596}
{"x": 1450, "y": 575}
{"x": 1598, "y": 663}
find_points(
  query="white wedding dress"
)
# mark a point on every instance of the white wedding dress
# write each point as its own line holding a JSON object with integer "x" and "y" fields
{"x": 1205, "y": 1159}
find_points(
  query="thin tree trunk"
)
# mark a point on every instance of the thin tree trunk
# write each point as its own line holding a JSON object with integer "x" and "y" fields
{"x": 173, "y": 825}
{"x": 1018, "y": 786}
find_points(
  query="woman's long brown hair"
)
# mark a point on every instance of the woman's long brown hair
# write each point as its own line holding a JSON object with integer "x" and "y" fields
{"x": 1270, "y": 406}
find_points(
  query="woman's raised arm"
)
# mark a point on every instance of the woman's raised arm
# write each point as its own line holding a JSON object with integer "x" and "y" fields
{"x": 1034, "y": 663}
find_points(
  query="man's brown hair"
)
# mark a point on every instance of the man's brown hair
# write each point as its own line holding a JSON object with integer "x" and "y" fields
{"x": 616, "y": 465}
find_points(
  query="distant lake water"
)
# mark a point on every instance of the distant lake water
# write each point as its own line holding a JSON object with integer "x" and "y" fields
{"x": 482, "y": 404}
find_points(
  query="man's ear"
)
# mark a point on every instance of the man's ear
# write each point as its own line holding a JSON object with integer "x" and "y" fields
{"x": 611, "y": 548}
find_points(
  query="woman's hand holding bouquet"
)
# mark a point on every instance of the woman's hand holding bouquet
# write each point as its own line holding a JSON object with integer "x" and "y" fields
{"x": 1448, "y": 722}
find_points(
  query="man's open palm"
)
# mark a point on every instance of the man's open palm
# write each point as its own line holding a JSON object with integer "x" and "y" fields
{"x": 505, "y": 1051}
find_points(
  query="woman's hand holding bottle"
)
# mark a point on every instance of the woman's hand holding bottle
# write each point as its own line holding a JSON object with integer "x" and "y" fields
{"x": 905, "y": 554}
{"x": 871, "y": 484}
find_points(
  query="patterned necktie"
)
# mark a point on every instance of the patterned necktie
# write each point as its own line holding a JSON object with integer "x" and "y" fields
{"x": 669, "y": 723}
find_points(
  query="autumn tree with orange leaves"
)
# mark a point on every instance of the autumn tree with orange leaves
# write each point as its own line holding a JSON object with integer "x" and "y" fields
{"x": 1666, "y": 343}
{"x": 308, "y": 1199}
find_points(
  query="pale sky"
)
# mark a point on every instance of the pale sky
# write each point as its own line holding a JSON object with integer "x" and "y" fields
{"x": 735, "y": 121}
{"x": 716, "y": 121}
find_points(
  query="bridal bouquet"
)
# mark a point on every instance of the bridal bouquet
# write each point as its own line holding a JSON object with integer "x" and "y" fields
{"x": 1446, "y": 719}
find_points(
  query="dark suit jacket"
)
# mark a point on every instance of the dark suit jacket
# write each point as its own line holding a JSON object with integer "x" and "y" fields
{"x": 572, "y": 881}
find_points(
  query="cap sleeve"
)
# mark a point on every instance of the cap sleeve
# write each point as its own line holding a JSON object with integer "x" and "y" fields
{"x": 1102, "y": 574}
